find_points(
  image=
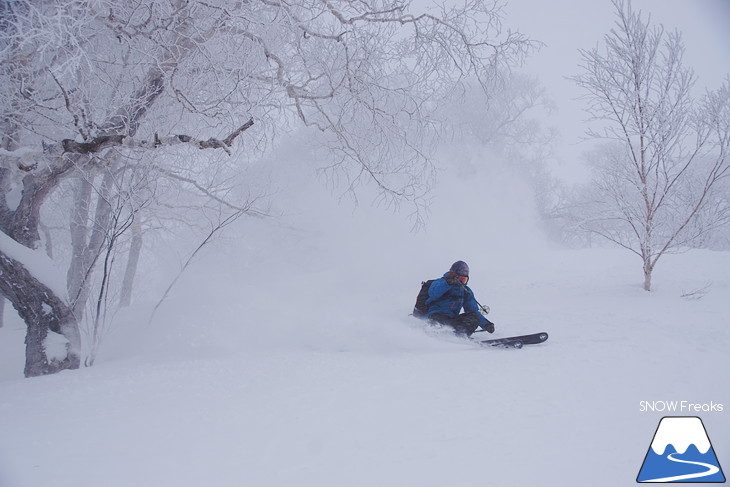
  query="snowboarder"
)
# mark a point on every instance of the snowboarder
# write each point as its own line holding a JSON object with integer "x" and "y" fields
{"x": 448, "y": 295}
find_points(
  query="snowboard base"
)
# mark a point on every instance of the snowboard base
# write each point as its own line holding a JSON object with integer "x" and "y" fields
{"x": 516, "y": 341}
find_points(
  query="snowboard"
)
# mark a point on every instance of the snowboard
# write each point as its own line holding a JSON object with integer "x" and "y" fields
{"x": 516, "y": 341}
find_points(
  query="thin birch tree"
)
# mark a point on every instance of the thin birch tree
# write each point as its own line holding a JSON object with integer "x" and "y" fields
{"x": 658, "y": 174}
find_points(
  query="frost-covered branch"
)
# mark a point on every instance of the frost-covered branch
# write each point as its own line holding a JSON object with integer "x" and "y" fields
{"x": 103, "y": 142}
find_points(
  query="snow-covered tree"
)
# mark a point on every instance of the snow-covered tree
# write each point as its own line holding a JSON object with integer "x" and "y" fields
{"x": 658, "y": 174}
{"x": 94, "y": 90}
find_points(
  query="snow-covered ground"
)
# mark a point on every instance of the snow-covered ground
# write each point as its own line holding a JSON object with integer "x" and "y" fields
{"x": 286, "y": 357}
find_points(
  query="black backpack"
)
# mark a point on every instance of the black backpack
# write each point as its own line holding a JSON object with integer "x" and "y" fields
{"x": 420, "y": 309}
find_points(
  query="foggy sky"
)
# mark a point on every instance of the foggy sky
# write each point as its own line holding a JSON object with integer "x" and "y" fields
{"x": 565, "y": 26}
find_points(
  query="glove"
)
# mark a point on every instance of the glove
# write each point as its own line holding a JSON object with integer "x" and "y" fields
{"x": 489, "y": 327}
{"x": 452, "y": 279}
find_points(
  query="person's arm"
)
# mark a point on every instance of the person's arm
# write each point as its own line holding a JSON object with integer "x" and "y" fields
{"x": 471, "y": 305}
{"x": 438, "y": 288}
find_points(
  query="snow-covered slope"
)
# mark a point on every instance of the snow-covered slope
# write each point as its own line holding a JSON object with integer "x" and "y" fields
{"x": 286, "y": 357}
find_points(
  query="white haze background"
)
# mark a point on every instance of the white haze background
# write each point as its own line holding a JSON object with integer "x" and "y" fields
{"x": 285, "y": 356}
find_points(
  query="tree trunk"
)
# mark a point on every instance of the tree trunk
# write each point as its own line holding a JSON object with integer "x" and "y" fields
{"x": 78, "y": 230}
{"x": 36, "y": 303}
{"x": 131, "y": 270}
{"x": 87, "y": 238}
{"x": 648, "y": 268}
{"x": 49, "y": 239}
{"x": 43, "y": 312}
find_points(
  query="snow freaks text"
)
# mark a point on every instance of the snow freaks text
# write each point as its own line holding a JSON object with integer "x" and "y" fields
{"x": 683, "y": 407}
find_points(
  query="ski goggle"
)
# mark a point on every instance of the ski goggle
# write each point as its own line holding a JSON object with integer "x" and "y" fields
{"x": 463, "y": 279}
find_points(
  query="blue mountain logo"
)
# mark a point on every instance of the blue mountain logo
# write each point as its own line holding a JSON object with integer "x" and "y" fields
{"x": 681, "y": 452}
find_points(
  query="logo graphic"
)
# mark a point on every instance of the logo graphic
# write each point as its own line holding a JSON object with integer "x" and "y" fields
{"x": 681, "y": 452}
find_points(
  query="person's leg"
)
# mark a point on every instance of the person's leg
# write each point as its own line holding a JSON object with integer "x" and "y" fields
{"x": 463, "y": 325}
{"x": 466, "y": 324}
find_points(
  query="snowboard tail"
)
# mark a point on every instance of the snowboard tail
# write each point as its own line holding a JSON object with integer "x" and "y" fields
{"x": 516, "y": 341}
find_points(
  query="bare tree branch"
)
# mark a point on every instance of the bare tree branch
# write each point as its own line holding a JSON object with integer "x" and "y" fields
{"x": 103, "y": 142}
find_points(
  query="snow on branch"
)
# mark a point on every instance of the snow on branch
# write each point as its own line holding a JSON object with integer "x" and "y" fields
{"x": 25, "y": 155}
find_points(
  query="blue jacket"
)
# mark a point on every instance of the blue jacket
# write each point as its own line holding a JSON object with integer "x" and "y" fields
{"x": 449, "y": 299}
